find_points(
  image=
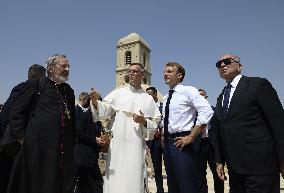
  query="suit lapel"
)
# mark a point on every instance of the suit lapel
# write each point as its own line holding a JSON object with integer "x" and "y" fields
{"x": 219, "y": 110}
{"x": 238, "y": 94}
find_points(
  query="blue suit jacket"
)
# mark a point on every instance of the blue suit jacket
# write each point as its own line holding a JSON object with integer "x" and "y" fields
{"x": 15, "y": 93}
{"x": 87, "y": 149}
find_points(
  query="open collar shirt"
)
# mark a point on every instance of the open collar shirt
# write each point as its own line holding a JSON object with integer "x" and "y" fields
{"x": 185, "y": 103}
{"x": 234, "y": 84}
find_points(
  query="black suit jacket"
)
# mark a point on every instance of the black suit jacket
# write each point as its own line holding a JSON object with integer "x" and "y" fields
{"x": 15, "y": 93}
{"x": 78, "y": 111}
{"x": 250, "y": 139}
{"x": 87, "y": 149}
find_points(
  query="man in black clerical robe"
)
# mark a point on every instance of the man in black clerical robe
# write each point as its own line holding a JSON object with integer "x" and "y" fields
{"x": 35, "y": 72}
{"x": 46, "y": 129}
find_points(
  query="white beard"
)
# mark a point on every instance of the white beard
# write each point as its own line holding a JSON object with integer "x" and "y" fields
{"x": 60, "y": 79}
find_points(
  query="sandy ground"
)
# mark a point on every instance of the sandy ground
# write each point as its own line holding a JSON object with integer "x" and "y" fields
{"x": 152, "y": 185}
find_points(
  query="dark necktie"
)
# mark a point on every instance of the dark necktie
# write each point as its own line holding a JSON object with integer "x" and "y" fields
{"x": 159, "y": 129}
{"x": 166, "y": 118}
{"x": 226, "y": 99}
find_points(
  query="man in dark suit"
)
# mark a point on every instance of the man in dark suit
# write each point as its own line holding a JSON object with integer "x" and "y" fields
{"x": 35, "y": 71}
{"x": 155, "y": 145}
{"x": 1, "y": 107}
{"x": 248, "y": 130}
{"x": 88, "y": 177}
{"x": 84, "y": 102}
{"x": 206, "y": 155}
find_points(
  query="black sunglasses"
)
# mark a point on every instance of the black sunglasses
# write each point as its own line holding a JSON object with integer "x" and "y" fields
{"x": 226, "y": 61}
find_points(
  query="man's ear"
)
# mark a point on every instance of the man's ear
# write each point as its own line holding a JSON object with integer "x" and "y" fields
{"x": 48, "y": 68}
{"x": 179, "y": 76}
{"x": 240, "y": 67}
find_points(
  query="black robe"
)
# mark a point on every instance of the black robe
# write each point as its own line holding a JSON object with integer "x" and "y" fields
{"x": 6, "y": 161}
{"x": 16, "y": 92}
{"x": 45, "y": 161}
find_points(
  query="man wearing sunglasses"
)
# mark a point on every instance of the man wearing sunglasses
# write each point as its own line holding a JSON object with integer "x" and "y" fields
{"x": 247, "y": 129}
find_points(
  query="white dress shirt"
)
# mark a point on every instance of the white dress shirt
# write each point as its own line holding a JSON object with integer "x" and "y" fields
{"x": 185, "y": 102}
{"x": 234, "y": 84}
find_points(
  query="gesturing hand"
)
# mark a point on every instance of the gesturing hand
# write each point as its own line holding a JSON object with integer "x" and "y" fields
{"x": 95, "y": 95}
{"x": 139, "y": 118}
{"x": 104, "y": 144}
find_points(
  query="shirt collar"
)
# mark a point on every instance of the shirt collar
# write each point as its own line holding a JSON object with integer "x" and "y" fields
{"x": 80, "y": 106}
{"x": 177, "y": 87}
{"x": 134, "y": 89}
{"x": 236, "y": 80}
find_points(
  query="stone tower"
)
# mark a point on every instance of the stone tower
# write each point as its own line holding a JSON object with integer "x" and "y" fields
{"x": 132, "y": 49}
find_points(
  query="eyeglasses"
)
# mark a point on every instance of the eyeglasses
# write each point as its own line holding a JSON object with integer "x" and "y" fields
{"x": 63, "y": 66}
{"x": 226, "y": 61}
{"x": 133, "y": 71}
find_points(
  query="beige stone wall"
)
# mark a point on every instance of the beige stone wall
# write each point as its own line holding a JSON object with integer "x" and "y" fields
{"x": 138, "y": 48}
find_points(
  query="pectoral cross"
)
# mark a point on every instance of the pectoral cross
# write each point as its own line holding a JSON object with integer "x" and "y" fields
{"x": 67, "y": 113}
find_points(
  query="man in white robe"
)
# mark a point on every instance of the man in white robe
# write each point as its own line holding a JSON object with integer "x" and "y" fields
{"x": 132, "y": 112}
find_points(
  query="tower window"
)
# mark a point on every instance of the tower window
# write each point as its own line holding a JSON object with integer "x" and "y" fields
{"x": 144, "y": 59}
{"x": 128, "y": 58}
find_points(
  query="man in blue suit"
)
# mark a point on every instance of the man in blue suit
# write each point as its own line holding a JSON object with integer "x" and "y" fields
{"x": 248, "y": 128}
{"x": 84, "y": 103}
{"x": 88, "y": 177}
{"x": 186, "y": 114}
{"x": 1, "y": 107}
{"x": 155, "y": 145}
{"x": 206, "y": 154}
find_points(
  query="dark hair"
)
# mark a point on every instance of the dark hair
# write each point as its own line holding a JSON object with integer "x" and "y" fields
{"x": 152, "y": 88}
{"x": 36, "y": 71}
{"x": 84, "y": 95}
{"x": 201, "y": 90}
{"x": 138, "y": 64}
{"x": 179, "y": 67}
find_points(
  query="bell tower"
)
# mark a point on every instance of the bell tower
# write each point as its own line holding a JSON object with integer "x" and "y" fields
{"x": 132, "y": 49}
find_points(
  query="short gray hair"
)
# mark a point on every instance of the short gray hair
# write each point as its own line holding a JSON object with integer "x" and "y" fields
{"x": 52, "y": 60}
{"x": 138, "y": 64}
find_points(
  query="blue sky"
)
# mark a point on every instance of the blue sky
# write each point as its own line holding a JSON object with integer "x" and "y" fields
{"x": 193, "y": 33}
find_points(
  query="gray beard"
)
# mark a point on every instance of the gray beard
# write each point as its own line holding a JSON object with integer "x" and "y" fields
{"x": 60, "y": 79}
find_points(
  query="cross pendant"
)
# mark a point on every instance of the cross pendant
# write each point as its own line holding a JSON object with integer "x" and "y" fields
{"x": 67, "y": 113}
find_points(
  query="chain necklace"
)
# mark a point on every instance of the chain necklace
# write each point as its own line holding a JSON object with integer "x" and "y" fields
{"x": 67, "y": 112}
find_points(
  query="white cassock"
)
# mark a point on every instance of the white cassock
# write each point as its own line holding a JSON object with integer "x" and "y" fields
{"x": 126, "y": 155}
